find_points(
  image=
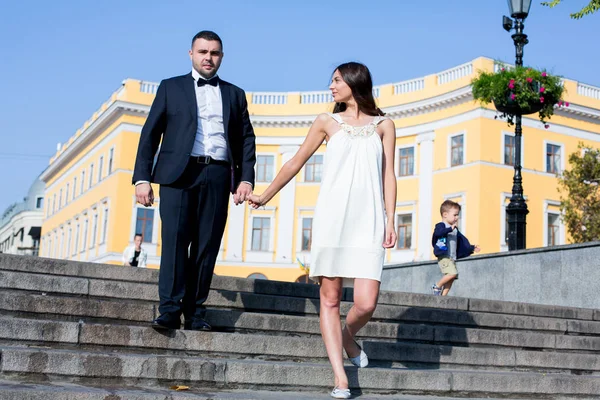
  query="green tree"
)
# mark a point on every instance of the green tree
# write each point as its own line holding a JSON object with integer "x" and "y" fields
{"x": 591, "y": 8}
{"x": 579, "y": 188}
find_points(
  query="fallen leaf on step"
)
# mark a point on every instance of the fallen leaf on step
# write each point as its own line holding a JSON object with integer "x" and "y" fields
{"x": 180, "y": 387}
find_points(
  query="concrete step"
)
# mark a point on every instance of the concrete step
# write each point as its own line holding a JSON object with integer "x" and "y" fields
{"x": 14, "y": 390}
{"x": 91, "y": 271}
{"x": 31, "y": 305}
{"x": 282, "y": 348}
{"x": 292, "y": 305}
{"x": 116, "y": 369}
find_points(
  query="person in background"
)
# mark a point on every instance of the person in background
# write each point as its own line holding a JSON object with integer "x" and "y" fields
{"x": 135, "y": 256}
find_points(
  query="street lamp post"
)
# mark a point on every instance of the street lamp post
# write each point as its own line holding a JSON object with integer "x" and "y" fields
{"x": 517, "y": 208}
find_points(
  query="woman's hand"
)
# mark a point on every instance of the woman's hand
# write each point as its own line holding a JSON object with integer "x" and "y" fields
{"x": 256, "y": 201}
{"x": 390, "y": 236}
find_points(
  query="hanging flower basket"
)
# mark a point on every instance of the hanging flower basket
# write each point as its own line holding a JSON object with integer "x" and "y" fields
{"x": 520, "y": 91}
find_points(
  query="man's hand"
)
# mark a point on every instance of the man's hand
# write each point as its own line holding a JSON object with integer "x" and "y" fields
{"x": 242, "y": 193}
{"x": 477, "y": 248}
{"x": 144, "y": 194}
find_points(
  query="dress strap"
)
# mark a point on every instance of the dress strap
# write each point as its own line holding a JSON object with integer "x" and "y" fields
{"x": 378, "y": 119}
{"x": 336, "y": 117}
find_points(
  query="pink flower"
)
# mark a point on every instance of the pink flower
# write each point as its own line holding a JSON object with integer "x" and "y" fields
{"x": 529, "y": 80}
{"x": 567, "y": 104}
{"x": 512, "y": 96}
{"x": 511, "y": 84}
{"x": 560, "y": 103}
{"x": 544, "y": 74}
{"x": 546, "y": 126}
{"x": 541, "y": 99}
{"x": 542, "y": 89}
{"x": 503, "y": 69}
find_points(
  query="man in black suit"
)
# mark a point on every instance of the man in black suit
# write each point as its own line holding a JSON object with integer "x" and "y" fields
{"x": 207, "y": 150}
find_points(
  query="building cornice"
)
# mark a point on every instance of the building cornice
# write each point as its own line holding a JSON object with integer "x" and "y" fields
{"x": 426, "y": 106}
{"x": 104, "y": 120}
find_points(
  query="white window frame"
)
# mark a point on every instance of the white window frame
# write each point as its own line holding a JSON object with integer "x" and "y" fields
{"x": 111, "y": 161}
{"x": 462, "y": 197}
{"x": 397, "y": 161}
{"x": 405, "y": 255}
{"x": 91, "y": 177}
{"x": 274, "y": 165}
{"x": 449, "y": 149}
{"x": 100, "y": 168}
{"x": 303, "y": 170}
{"x": 94, "y": 233}
{"x": 74, "y": 188}
{"x": 506, "y": 133}
{"x": 260, "y": 256}
{"x": 561, "y": 225}
{"x": 562, "y": 157}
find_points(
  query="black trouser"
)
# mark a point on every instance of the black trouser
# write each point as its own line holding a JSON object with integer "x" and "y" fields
{"x": 193, "y": 211}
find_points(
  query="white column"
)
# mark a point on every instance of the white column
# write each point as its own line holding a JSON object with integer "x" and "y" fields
{"x": 285, "y": 219}
{"x": 424, "y": 230}
{"x": 235, "y": 231}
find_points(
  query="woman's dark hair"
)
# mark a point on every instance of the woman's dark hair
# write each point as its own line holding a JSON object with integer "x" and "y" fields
{"x": 358, "y": 77}
{"x": 207, "y": 35}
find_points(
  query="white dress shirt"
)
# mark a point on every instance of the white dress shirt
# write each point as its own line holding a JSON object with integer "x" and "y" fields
{"x": 210, "y": 134}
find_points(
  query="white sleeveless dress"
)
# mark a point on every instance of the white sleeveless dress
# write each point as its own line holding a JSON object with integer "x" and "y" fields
{"x": 349, "y": 220}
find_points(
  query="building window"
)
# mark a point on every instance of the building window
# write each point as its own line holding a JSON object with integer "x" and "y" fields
{"x": 100, "y": 165}
{"x": 62, "y": 243}
{"x": 306, "y": 233}
{"x": 39, "y": 202}
{"x": 261, "y": 228}
{"x": 552, "y": 158}
{"x": 553, "y": 229}
{"x": 105, "y": 225}
{"x": 111, "y": 154}
{"x": 54, "y": 203}
{"x": 406, "y": 161}
{"x": 404, "y": 231}
{"x": 60, "y": 195}
{"x": 509, "y": 150}
{"x": 74, "y": 187}
{"x": 69, "y": 238}
{"x": 264, "y": 168}
{"x": 313, "y": 168}
{"x": 144, "y": 222}
{"x": 457, "y": 150}
{"x": 94, "y": 231}
{"x": 91, "y": 182}
{"x": 82, "y": 182}
{"x": 85, "y": 235}
{"x": 67, "y": 194}
{"x": 76, "y": 246}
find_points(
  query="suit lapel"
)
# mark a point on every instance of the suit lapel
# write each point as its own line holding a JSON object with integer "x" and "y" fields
{"x": 226, "y": 98}
{"x": 190, "y": 94}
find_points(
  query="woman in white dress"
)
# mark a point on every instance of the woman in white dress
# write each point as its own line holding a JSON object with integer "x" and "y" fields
{"x": 354, "y": 216}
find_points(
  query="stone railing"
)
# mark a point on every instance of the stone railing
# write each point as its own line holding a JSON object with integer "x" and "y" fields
{"x": 413, "y": 85}
{"x": 499, "y": 65}
{"x": 454, "y": 73}
{"x": 269, "y": 98}
{"x": 148, "y": 87}
{"x": 588, "y": 91}
{"x": 323, "y": 96}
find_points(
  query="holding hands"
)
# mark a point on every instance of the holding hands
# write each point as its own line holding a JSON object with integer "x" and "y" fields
{"x": 255, "y": 201}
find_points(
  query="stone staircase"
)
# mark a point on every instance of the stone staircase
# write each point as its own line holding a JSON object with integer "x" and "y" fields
{"x": 72, "y": 330}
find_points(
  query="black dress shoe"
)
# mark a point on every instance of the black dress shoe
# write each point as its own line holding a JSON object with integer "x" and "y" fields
{"x": 197, "y": 324}
{"x": 167, "y": 321}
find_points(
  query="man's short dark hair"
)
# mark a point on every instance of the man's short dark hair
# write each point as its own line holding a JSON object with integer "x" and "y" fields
{"x": 207, "y": 35}
{"x": 138, "y": 234}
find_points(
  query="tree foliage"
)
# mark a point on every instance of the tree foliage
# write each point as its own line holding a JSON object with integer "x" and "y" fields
{"x": 591, "y": 8}
{"x": 580, "y": 194}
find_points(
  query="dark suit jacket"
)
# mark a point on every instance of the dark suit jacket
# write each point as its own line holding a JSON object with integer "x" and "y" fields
{"x": 174, "y": 117}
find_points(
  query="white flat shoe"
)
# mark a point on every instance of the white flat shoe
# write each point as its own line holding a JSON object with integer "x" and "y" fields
{"x": 361, "y": 360}
{"x": 338, "y": 393}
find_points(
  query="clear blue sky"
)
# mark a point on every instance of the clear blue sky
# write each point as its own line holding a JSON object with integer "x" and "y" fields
{"x": 60, "y": 60}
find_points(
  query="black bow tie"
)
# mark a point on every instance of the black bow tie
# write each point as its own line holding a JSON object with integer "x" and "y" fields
{"x": 212, "y": 81}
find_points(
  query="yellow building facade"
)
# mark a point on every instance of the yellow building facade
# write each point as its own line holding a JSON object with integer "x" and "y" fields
{"x": 448, "y": 147}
